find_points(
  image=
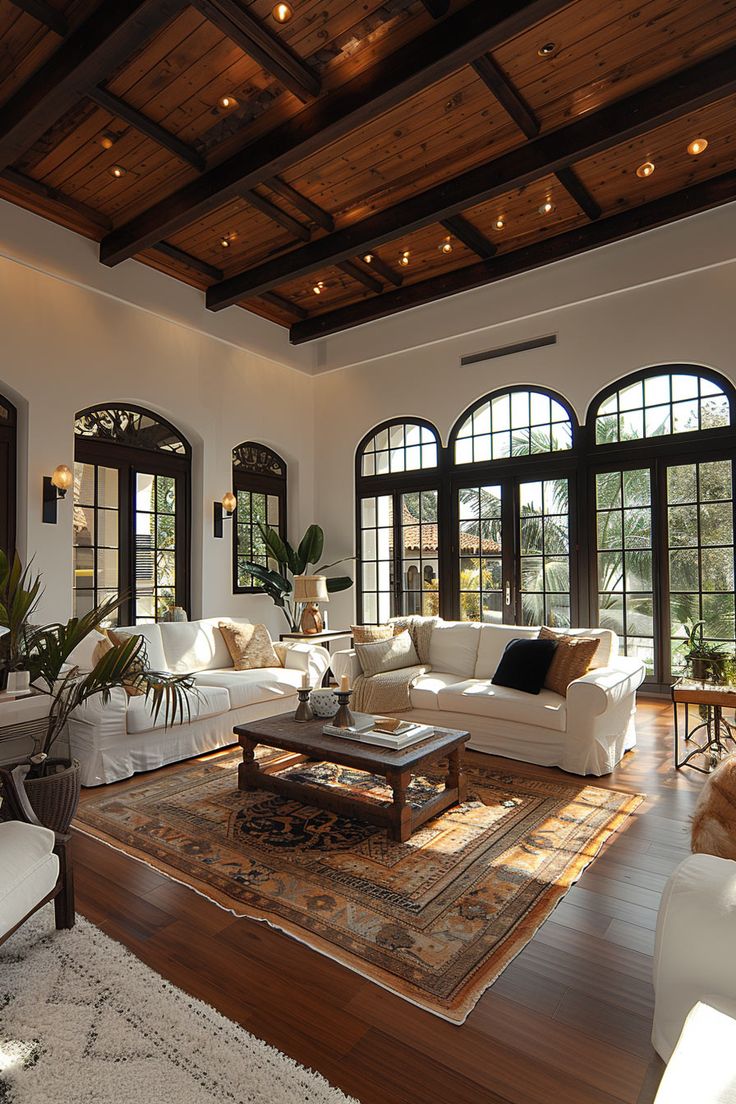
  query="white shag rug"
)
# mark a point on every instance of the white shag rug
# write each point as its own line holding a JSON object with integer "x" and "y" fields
{"x": 83, "y": 1021}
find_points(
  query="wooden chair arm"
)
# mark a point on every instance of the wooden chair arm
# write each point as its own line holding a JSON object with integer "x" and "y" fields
{"x": 14, "y": 793}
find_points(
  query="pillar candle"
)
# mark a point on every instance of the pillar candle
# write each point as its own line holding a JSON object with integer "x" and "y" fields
{"x": 344, "y": 684}
{"x": 305, "y": 681}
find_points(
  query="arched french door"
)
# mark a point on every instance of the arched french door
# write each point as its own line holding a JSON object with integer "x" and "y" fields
{"x": 132, "y": 476}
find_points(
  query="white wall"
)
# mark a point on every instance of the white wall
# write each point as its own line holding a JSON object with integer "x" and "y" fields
{"x": 688, "y": 318}
{"x": 65, "y": 347}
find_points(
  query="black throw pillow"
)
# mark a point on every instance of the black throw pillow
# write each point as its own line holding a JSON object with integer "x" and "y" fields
{"x": 524, "y": 665}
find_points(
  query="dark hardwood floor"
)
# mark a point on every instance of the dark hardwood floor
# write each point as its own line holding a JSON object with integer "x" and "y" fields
{"x": 568, "y": 1021}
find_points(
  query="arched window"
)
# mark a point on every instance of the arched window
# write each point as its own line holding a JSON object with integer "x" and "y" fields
{"x": 259, "y": 484}
{"x": 663, "y": 479}
{"x": 131, "y": 512}
{"x": 398, "y": 520}
{"x": 513, "y": 529}
{"x": 8, "y": 450}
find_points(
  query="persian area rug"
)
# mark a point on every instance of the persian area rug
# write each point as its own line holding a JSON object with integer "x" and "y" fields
{"x": 83, "y": 1021}
{"x": 435, "y": 919}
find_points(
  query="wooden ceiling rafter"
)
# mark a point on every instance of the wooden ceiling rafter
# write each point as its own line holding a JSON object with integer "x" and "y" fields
{"x": 88, "y": 55}
{"x": 390, "y": 275}
{"x": 182, "y": 257}
{"x": 302, "y": 203}
{"x": 122, "y": 110}
{"x": 282, "y": 218}
{"x": 433, "y": 55}
{"x": 46, "y": 14}
{"x": 54, "y": 195}
{"x": 437, "y": 8}
{"x": 350, "y": 268}
{"x": 669, "y": 208}
{"x": 270, "y": 51}
{"x": 470, "y": 235}
{"x": 609, "y": 126}
{"x": 283, "y": 304}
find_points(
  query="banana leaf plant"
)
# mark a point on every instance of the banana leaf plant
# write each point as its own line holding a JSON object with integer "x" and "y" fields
{"x": 278, "y": 583}
{"x": 20, "y": 593}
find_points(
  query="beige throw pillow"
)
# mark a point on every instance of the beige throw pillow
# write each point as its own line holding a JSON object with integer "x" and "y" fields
{"x": 573, "y": 656}
{"x": 249, "y": 645}
{"x": 387, "y": 655}
{"x": 368, "y": 634}
{"x": 136, "y": 668}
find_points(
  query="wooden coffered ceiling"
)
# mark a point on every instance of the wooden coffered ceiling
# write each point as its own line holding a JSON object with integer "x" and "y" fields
{"x": 478, "y": 139}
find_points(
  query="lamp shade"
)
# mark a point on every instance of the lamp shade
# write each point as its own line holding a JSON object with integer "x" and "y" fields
{"x": 310, "y": 588}
{"x": 62, "y": 478}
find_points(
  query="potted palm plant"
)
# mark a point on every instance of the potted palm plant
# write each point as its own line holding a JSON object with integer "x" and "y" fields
{"x": 292, "y": 563}
{"x": 52, "y": 776}
{"x": 20, "y": 594}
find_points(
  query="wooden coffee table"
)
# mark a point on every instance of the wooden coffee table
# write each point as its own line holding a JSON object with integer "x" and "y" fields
{"x": 307, "y": 741}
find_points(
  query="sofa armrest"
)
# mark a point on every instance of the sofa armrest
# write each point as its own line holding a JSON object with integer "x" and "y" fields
{"x": 307, "y": 657}
{"x": 346, "y": 663}
{"x": 605, "y": 687}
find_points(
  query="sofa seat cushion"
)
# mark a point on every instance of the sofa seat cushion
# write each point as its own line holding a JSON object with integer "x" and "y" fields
{"x": 195, "y": 645}
{"x": 480, "y": 698}
{"x": 426, "y": 688}
{"x": 29, "y": 870}
{"x": 250, "y": 687}
{"x": 208, "y": 702}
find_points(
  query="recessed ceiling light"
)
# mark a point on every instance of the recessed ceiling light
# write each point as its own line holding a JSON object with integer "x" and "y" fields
{"x": 282, "y": 13}
{"x": 117, "y": 171}
{"x": 108, "y": 139}
{"x": 227, "y": 239}
{"x": 499, "y": 223}
{"x": 404, "y": 258}
{"x": 319, "y": 287}
{"x": 547, "y": 50}
{"x": 227, "y": 103}
{"x": 646, "y": 169}
{"x": 368, "y": 258}
{"x": 445, "y": 246}
{"x": 547, "y": 207}
{"x": 698, "y": 145}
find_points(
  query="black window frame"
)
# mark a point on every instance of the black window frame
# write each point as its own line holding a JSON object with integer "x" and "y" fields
{"x": 257, "y": 469}
{"x": 129, "y": 459}
{"x": 9, "y": 470}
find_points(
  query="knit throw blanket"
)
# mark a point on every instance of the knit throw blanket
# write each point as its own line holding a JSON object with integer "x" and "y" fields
{"x": 390, "y": 691}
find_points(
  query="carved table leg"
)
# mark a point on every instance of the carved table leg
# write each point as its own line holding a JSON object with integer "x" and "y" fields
{"x": 248, "y": 770}
{"x": 455, "y": 778}
{"x": 401, "y": 827}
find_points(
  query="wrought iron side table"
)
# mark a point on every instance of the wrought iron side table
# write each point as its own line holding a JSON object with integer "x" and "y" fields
{"x": 720, "y": 735}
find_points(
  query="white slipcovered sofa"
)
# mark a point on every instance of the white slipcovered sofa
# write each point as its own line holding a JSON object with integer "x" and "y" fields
{"x": 585, "y": 733}
{"x": 695, "y": 983}
{"x": 116, "y": 739}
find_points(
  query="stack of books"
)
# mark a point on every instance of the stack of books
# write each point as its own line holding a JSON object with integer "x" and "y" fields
{"x": 383, "y": 731}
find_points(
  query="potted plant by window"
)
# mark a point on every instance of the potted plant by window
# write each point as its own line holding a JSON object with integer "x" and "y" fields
{"x": 292, "y": 564}
{"x": 52, "y": 778}
{"x": 707, "y": 662}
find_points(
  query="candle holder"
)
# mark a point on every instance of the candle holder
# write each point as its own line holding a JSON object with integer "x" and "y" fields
{"x": 343, "y": 718}
{"x": 304, "y": 709}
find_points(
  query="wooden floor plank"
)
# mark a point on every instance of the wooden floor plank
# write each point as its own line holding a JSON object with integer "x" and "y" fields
{"x": 569, "y": 1020}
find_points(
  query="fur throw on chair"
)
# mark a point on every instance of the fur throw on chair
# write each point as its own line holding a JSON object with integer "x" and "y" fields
{"x": 714, "y": 820}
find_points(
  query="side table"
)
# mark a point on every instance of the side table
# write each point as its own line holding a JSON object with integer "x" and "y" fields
{"x": 720, "y": 735}
{"x": 324, "y": 638}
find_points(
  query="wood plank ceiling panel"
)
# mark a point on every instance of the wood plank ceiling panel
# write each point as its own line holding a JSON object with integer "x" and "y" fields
{"x": 25, "y": 43}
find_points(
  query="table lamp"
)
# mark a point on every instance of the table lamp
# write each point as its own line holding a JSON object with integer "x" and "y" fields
{"x": 309, "y": 590}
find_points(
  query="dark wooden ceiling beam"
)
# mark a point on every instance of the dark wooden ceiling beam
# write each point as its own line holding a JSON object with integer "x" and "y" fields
{"x": 350, "y": 268}
{"x": 45, "y": 14}
{"x": 574, "y": 187}
{"x": 122, "y": 110}
{"x": 281, "y": 218}
{"x": 703, "y": 83}
{"x": 91, "y": 53}
{"x": 436, "y": 54}
{"x": 469, "y": 235}
{"x": 389, "y": 274}
{"x": 689, "y": 201}
{"x": 510, "y": 99}
{"x": 182, "y": 257}
{"x": 284, "y": 304}
{"x": 270, "y": 51}
{"x": 437, "y": 8}
{"x": 54, "y": 195}
{"x": 302, "y": 203}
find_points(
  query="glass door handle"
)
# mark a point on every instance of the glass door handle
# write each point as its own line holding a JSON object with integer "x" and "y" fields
{"x": 508, "y": 594}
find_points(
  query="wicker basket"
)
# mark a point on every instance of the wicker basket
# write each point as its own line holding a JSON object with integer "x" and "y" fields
{"x": 55, "y": 798}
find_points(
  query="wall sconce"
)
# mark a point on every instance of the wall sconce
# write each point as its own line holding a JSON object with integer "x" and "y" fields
{"x": 224, "y": 511}
{"x": 55, "y": 487}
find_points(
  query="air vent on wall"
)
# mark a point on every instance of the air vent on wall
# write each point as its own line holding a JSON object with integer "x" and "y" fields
{"x": 509, "y": 350}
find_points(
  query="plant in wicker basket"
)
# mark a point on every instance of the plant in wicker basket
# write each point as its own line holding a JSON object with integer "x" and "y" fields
{"x": 52, "y": 781}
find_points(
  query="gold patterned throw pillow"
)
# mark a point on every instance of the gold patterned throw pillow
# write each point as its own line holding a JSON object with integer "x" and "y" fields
{"x": 367, "y": 634}
{"x": 573, "y": 656}
{"x": 249, "y": 645}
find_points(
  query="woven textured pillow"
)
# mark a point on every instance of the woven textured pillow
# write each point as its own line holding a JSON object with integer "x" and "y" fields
{"x": 249, "y": 645}
{"x": 573, "y": 656}
{"x": 368, "y": 634}
{"x": 387, "y": 655}
{"x": 136, "y": 668}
